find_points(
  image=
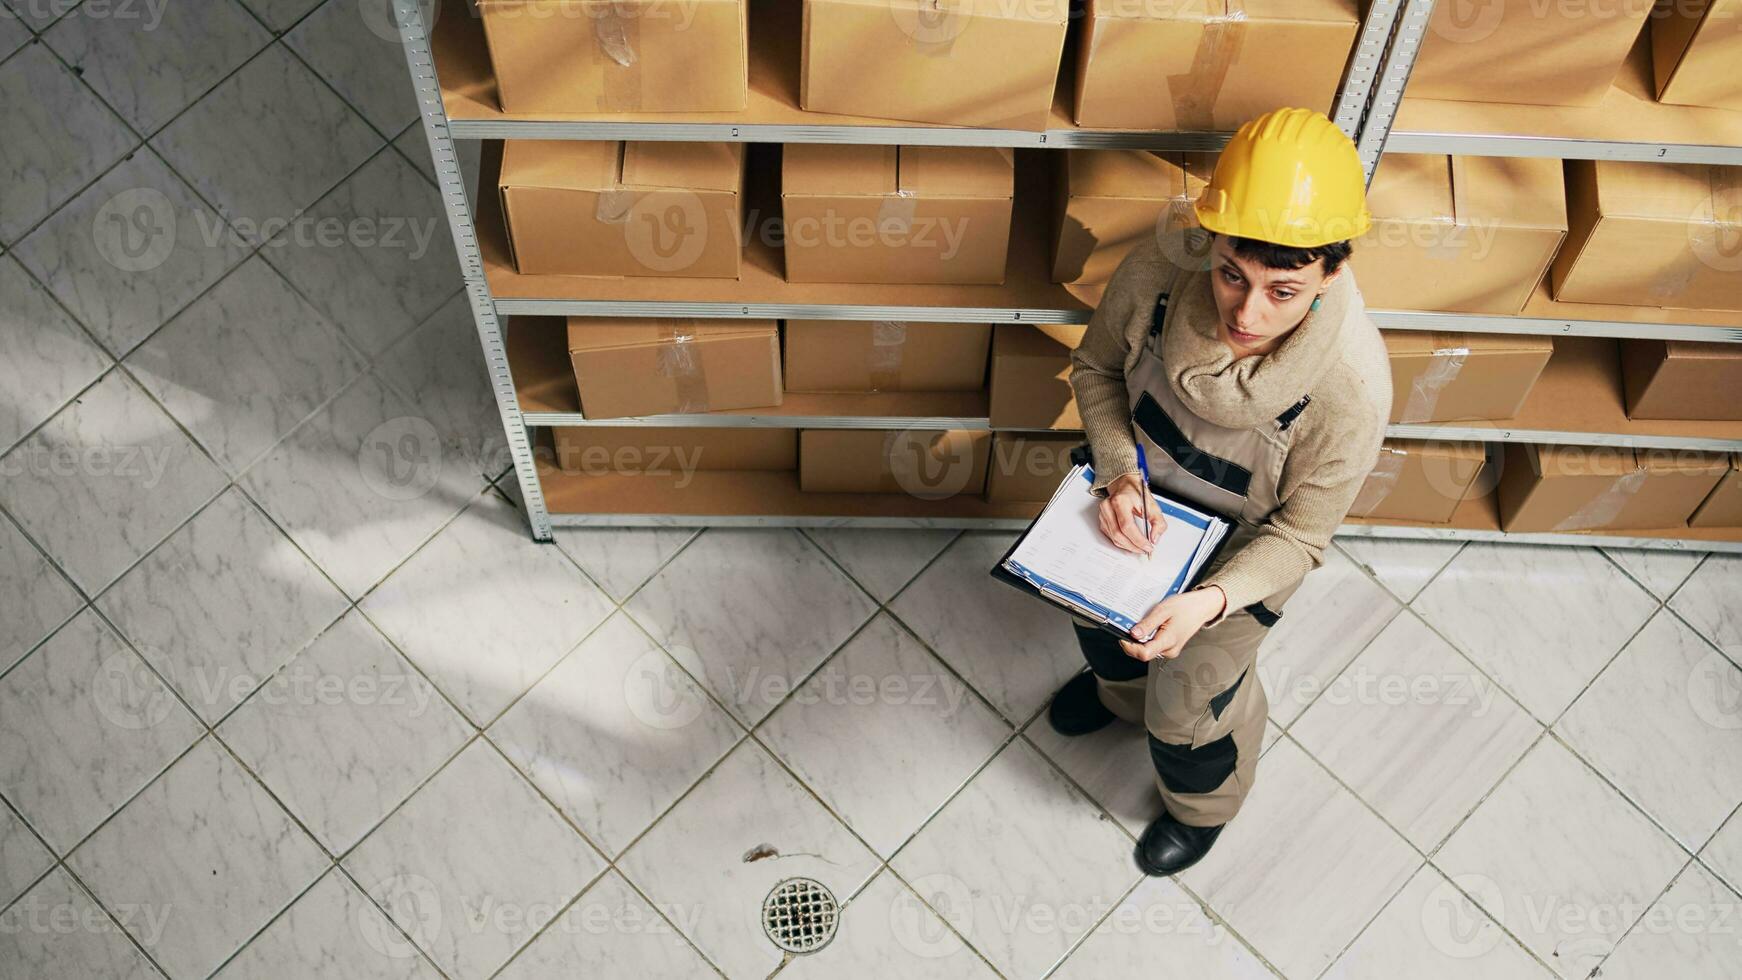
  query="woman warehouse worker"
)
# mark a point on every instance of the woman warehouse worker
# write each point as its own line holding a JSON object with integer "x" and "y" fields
{"x": 1259, "y": 389}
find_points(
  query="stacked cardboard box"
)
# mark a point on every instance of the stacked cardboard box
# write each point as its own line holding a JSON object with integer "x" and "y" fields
{"x": 1454, "y": 377}
{"x": 886, "y": 214}
{"x": 1208, "y": 66}
{"x": 596, "y": 56}
{"x": 1696, "y": 46}
{"x": 657, "y": 366}
{"x": 1723, "y": 506}
{"x": 1031, "y": 369}
{"x": 582, "y": 208}
{"x": 928, "y": 463}
{"x": 1575, "y": 488}
{"x": 1652, "y": 234}
{"x": 603, "y": 449}
{"x": 1682, "y": 379}
{"x": 1109, "y": 200}
{"x": 1028, "y": 465}
{"x": 941, "y": 61}
{"x": 1525, "y": 50}
{"x": 885, "y": 355}
{"x": 1468, "y": 234}
{"x": 1419, "y": 481}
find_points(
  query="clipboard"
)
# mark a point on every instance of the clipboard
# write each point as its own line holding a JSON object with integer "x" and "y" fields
{"x": 1077, "y": 604}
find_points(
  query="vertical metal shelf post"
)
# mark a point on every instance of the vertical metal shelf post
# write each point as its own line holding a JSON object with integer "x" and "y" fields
{"x": 1387, "y": 96}
{"x": 414, "y": 35}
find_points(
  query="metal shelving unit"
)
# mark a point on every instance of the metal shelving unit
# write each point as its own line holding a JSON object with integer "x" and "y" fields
{"x": 1369, "y": 101}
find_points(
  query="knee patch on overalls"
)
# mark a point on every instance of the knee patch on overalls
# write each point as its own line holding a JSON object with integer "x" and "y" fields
{"x": 1184, "y": 769}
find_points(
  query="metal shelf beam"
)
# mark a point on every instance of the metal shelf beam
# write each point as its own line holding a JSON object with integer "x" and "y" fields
{"x": 785, "y": 311}
{"x": 1414, "y": 533}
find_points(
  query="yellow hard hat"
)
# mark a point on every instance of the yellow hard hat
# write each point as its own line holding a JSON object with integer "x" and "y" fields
{"x": 1289, "y": 177}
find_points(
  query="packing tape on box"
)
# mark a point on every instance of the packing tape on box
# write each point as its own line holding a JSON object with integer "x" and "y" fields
{"x": 888, "y": 337}
{"x": 1445, "y": 363}
{"x": 617, "y": 37}
{"x": 897, "y": 210}
{"x": 1194, "y": 93}
{"x": 680, "y": 361}
{"x": 1602, "y": 509}
{"x": 614, "y": 205}
{"x": 1380, "y": 482}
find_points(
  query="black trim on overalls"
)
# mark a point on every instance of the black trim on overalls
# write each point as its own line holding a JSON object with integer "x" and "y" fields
{"x": 1219, "y": 703}
{"x": 1262, "y": 613}
{"x": 1184, "y": 769}
{"x": 1150, "y": 417}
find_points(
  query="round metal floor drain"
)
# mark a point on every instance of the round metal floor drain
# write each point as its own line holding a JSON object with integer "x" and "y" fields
{"x": 800, "y": 915}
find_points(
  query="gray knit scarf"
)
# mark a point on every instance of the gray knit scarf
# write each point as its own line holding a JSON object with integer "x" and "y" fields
{"x": 1241, "y": 394}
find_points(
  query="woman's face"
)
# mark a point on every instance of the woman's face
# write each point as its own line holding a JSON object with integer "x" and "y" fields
{"x": 1259, "y": 305}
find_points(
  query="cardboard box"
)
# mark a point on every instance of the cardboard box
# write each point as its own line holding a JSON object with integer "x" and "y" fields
{"x": 1525, "y": 51}
{"x": 594, "y": 56}
{"x": 585, "y": 208}
{"x": 886, "y": 355}
{"x": 1031, "y": 372}
{"x": 943, "y": 61}
{"x": 1208, "y": 66}
{"x": 1419, "y": 481}
{"x": 657, "y": 366}
{"x": 887, "y": 214}
{"x": 1695, "y": 48}
{"x": 1652, "y": 234}
{"x": 1723, "y": 506}
{"x": 1467, "y": 234}
{"x": 1682, "y": 379}
{"x": 1573, "y": 488}
{"x": 589, "y": 450}
{"x": 1109, "y": 200}
{"x": 1028, "y": 466}
{"x": 1456, "y": 377}
{"x": 928, "y": 463}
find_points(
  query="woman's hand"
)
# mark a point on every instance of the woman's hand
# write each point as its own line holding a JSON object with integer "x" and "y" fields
{"x": 1174, "y": 620}
{"x": 1128, "y": 500}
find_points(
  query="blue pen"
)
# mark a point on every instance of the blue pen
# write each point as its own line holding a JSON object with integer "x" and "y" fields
{"x": 1143, "y": 469}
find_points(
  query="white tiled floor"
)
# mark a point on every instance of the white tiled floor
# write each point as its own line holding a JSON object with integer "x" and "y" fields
{"x": 286, "y": 691}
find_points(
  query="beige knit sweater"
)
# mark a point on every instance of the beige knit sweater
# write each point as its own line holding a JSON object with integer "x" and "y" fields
{"x": 1336, "y": 355}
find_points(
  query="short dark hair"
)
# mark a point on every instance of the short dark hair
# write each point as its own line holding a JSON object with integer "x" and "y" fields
{"x": 1274, "y": 256}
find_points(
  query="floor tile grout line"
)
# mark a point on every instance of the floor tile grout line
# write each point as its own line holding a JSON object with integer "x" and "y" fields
{"x": 236, "y": 482}
{"x": 208, "y": 728}
{"x": 1426, "y": 857}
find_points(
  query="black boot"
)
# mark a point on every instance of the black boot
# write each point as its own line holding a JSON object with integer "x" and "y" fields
{"x": 1169, "y": 847}
{"x": 1077, "y": 709}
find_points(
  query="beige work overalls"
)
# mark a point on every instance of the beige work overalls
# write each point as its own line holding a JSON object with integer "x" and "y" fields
{"x": 1205, "y": 709}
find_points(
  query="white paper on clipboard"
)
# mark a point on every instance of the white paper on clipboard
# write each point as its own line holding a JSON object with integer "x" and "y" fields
{"x": 1065, "y": 555}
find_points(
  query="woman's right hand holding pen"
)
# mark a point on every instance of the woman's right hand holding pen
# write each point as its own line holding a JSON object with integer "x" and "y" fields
{"x": 1122, "y": 514}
